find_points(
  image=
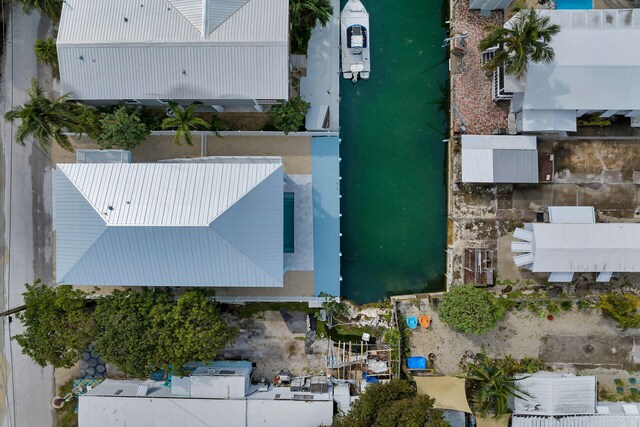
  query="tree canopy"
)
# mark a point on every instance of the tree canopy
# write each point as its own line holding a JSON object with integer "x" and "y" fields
{"x": 288, "y": 116}
{"x": 58, "y": 325}
{"x": 390, "y": 405}
{"x": 526, "y": 39}
{"x": 470, "y": 310}
{"x": 122, "y": 128}
{"x": 137, "y": 331}
{"x": 141, "y": 331}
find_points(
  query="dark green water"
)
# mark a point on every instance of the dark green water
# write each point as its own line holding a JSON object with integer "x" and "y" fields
{"x": 393, "y": 157}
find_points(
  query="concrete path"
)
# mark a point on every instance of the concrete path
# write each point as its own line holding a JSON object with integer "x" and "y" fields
{"x": 26, "y": 227}
{"x": 321, "y": 86}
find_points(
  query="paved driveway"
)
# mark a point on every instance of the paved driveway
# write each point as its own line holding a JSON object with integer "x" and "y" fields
{"x": 26, "y": 228}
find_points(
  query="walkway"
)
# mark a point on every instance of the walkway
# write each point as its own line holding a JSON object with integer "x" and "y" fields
{"x": 321, "y": 86}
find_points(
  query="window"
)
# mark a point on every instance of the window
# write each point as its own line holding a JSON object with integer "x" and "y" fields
{"x": 288, "y": 223}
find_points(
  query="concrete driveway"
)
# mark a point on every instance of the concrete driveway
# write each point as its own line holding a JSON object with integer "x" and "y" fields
{"x": 26, "y": 227}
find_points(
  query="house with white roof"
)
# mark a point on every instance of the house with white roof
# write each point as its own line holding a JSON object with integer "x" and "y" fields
{"x": 595, "y": 70}
{"x": 574, "y": 243}
{"x": 231, "y": 55}
{"x": 219, "y": 394}
{"x": 239, "y": 225}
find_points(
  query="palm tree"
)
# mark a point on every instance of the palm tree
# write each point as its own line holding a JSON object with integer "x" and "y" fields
{"x": 183, "y": 121}
{"x": 307, "y": 12}
{"x": 303, "y": 15}
{"x": 525, "y": 40}
{"x": 48, "y": 8}
{"x": 47, "y": 53}
{"x": 45, "y": 120}
{"x": 491, "y": 386}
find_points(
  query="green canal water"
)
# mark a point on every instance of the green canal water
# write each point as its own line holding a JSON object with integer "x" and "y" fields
{"x": 393, "y": 157}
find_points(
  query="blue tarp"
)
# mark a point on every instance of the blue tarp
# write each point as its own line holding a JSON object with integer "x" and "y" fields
{"x": 417, "y": 362}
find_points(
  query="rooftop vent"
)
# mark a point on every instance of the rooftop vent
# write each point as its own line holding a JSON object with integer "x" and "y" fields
{"x": 117, "y": 393}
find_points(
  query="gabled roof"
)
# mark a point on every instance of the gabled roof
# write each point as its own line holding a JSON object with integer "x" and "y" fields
{"x": 170, "y": 224}
{"x": 174, "y": 49}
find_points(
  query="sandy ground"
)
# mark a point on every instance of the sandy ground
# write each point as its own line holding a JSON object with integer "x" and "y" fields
{"x": 520, "y": 334}
{"x": 295, "y": 150}
{"x": 266, "y": 340}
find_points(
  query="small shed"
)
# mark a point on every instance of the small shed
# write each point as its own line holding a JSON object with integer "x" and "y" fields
{"x": 499, "y": 159}
{"x": 547, "y": 393}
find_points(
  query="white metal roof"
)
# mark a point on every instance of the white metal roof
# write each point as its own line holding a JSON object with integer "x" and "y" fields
{"x": 183, "y": 49}
{"x": 101, "y": 407}
{"x": 170, "y": 224}
{"x": 576, "y": 421}
{"x": 572, "y": 215}
{"x": 499, "y": 158}
{"x": 555, "y": 394}
{"x": 586, "y": 247}
{"x": 595, "y": 68}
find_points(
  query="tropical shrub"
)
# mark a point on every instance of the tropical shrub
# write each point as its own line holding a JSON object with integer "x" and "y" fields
{"x": 47, "y": 53}
{"x": 623, "y": 308}
{"x": 391, "y": 404}
{"x": 123, "y": 128}
{"x": 58, "y": 325}
{"x": 470, "y": 310}
{"x": 288, "y": 116}
{"x": 526, "y": 40}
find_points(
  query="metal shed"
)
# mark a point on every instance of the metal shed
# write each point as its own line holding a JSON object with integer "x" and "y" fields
{"x": 499, "y": 159}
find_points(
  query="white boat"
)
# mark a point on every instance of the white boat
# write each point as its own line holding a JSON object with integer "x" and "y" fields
{"x": 354, "y": 35}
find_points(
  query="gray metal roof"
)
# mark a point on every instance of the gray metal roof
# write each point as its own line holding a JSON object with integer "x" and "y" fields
{"x": 555, "y": 394}
{"x": 170, "y": 224}
{"x": 499, "y": 158}
{"x": 586, "y": 247}
{"x": 183, "y": 49}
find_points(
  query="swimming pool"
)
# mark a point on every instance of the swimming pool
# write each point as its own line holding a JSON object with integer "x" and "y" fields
{"x": 574, "y": 4}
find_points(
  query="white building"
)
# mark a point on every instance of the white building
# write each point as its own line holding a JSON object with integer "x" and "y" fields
{"x": 230, "y": 54}
{"x": 557, "y": 400}
{"x": 499, "y": 159}
{"x": 547, "y": 393}
{"x": 574, "y": 243}
{"x": 219, "y": 395}
{"x": 595, "y": 70}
